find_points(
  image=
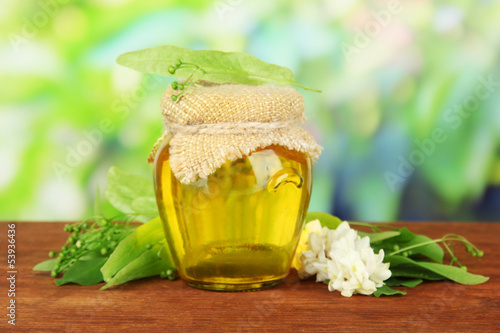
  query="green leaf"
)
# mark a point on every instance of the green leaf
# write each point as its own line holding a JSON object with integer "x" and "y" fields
{"x": 454, "y": 273}
{"x": 124, "y": 189}
{"x": 397, "y": 282}
{"x": 401, "y": 266}
{"x": 379, "y": 236}
{"x": 412, "y": 271}
{"x": 144, "y": 204}
{"x": 385, "y": 290}
{"x": 326, "y": 220}
{"x": 389, "y": 243}
{"x": 216, "y": 66}
{"x": 84, "y": 272}
{"x": 46, "y": 266}
{"x": 146, "y": 265}
{"x": 133, "y": 246}
{"x": 432, "y": 251}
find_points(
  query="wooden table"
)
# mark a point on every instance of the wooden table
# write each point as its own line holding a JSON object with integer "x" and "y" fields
{"x": 157, "y": 305}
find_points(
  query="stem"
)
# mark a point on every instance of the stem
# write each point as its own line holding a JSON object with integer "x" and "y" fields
{"x": 417, "y": 245}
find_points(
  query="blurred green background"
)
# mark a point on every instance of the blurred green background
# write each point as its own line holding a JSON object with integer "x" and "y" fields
{"x": 409, "y": 115}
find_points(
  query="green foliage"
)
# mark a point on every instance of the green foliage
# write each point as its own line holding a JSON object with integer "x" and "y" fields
{"x": 403, "y": 282}
{"x": 148, "y": 263}
{"x": 210, "y": 65}
{"x": 46, "y": 266}
{"x": 326, "y": 220}
{"x": 432, "y": 271}
{"x": 420, "y": 244}
{"x": 115, "y": 252}
{"x": 149, "y": 238}
{"x": 387, "y": 291}
{"x": 84, "y": 272}
{"x": 376, "y": 237}
{"x": 131, "y": 194}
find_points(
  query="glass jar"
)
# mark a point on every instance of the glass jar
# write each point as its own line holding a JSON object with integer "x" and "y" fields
{"x": 238, "y": 229}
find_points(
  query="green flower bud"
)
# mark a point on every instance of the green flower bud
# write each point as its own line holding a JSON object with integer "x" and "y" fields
{"x": 464, "y": 268}
{"x": 171, "y": 70}
{"x": 181, "y": 86}
{"x": 172, "y": 275}
{"x": 149, "y": 246}
{"x": 52, "y": 254}
{"x": 174, "y": 97}
{"x": 104, "y": 251}
{"x": 480, "y": 253}
{"x": 175, "y": 85}
{"x": 53, "y": 274}
{"x": 178, "y": 63}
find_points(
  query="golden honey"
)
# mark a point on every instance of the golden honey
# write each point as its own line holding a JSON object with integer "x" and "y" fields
{"x": 237, "y": 229}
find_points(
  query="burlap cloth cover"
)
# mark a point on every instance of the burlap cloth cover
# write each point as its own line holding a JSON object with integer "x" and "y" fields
{"x": 212, "y": 124}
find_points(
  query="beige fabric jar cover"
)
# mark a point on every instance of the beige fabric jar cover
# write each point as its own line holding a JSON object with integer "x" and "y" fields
{"x": 212, "y": 124}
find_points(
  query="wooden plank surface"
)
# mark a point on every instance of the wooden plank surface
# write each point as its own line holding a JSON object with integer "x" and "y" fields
{"x": 158, "y": 305}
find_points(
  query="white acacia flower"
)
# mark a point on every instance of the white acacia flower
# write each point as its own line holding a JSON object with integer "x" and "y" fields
{"x": 312, "y": 240}
{"x": 344, "y": 258}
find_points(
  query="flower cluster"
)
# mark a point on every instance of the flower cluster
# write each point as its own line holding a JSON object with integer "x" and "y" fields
{"x": 340, "y": 257}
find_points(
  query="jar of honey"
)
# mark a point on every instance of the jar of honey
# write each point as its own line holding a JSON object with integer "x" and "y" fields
{"x": 233, "y": 179}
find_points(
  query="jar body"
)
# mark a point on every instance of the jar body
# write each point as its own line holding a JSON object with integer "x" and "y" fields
{"x": 238, "y": 229}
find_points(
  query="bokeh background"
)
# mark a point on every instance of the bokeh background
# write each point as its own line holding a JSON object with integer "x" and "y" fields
{"x": 409, "y": 115}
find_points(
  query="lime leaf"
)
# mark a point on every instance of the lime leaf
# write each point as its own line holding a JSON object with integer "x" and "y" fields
{"x": 133, "y": 246}
{"x": 144, "y": 204}
{"x": 406, "y": 267}
{"x": 326, "y": 220}
{"x": 454, "y": 273}
{"x": 146, "y": 265}
{"x": 83, "y": 272}
{"x": 396, "y": 282}
{"x": 46, "y": 266}
{"x": 215, "y": 66}
{"x": 412, "y": 271}
{"x": 432, "y": 251}
{"x": 124, "y": 189}
{"x": 387, "y": 291}
{"x": 379, "y": 236}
